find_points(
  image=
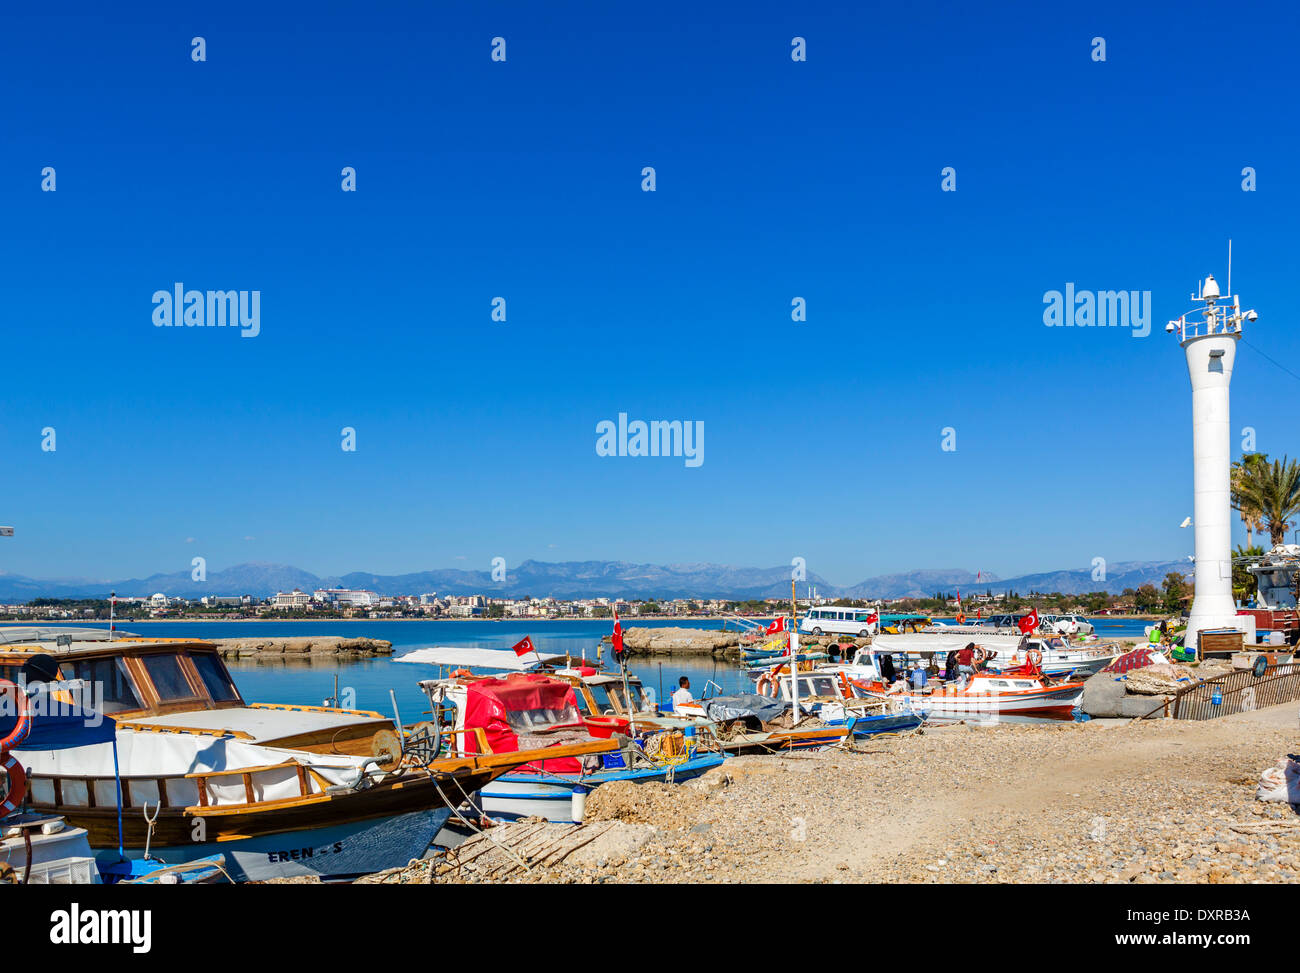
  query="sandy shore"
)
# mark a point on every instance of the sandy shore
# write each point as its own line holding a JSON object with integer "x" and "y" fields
{"x": 1104, "y": 801}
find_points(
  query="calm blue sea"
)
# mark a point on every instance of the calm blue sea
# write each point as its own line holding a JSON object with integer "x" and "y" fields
{"x": 370, "y": 681}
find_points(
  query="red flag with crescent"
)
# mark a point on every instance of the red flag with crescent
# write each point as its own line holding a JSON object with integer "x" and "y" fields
{"x": 524, "y": 646}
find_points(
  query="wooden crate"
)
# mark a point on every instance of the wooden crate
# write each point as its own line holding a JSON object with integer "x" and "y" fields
{"x": 1220, "y": 641}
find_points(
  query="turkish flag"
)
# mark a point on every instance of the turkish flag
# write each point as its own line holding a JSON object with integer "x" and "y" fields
{"x": 1029, "y": 622}
{"x": 524, "y": 646}
{"x": 777, "y": 626}
{"x": 873, "y": 618}
{"x": 618, "y": 637}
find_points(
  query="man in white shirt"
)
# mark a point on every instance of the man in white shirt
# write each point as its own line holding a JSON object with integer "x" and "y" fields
{"x": 683, "y": 693}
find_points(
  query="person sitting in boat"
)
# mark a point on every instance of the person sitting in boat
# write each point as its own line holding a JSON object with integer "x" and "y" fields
{"x": 887, "y": 673}
{"x": 683, "y": 693}
{"x": 950, "y": 665}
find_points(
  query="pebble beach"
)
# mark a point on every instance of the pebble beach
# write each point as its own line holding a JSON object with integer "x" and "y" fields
{"x": 1104, "y": 801}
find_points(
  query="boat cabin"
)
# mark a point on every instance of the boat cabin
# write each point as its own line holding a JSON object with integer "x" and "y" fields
{"x": 183, "y": 686}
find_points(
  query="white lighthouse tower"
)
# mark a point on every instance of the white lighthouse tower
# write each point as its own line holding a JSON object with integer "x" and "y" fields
{"x": 1211, "y": 348}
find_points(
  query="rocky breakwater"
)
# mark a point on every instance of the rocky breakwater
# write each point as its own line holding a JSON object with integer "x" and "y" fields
{"x": 681, "y": 641}
{"x": 304, "y": 648}
{"x": 699, "y": 641}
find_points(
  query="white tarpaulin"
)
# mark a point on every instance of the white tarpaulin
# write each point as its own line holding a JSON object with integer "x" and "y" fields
{"x": 446, "y": 655}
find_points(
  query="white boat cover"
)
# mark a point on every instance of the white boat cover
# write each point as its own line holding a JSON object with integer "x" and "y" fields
{"x": 466, "y": 658}
{"x": 145, "y": 756}
{"x": 931, "y": 642}
{"x": 263, "y": 724}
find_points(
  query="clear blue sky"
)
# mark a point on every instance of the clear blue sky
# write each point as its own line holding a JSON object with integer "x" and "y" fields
{"x": 522, "y": 179}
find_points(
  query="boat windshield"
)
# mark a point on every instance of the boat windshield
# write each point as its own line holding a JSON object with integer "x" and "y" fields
{"x": 610, "y": 697}
{"x": 215, "y": 677}
{"x": 818, "y": 686}
{"x": 168, "y": 677}
{"x": 110, "y": 682}
{"x": 525, "y": 721}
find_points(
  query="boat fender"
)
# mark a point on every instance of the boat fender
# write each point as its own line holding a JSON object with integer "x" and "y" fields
{"x": 579, "y": 804}
{"x": 17, "y": 786}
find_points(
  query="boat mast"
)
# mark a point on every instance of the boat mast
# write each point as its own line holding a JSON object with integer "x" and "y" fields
{"x": 794, "y": 651}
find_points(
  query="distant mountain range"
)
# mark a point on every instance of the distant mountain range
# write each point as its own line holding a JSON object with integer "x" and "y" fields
{"x": 591, "y": 579}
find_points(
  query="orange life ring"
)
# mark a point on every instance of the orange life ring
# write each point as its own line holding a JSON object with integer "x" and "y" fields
{"x": 980, "y": 654}
{"x": 765, "y": 683}
{"x": 17, "y": 786}
{"x": 461, "y": 674}
{"x": 22, "y": 726}
{"x": 1034, "y": 657}
{"x": 961, "y": 618}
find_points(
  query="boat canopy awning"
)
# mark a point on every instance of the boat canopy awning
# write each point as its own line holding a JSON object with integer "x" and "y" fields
{"x": 933, "y": 642}
{"x": 467, "y": 658}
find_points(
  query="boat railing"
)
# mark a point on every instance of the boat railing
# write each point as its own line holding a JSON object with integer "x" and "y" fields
{"x": 1240, "y": 691}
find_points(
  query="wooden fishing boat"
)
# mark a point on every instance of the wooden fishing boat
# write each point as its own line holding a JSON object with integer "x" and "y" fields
{"x": 278, "y": 790}
{"x": 986, "y": 695}
{"x": 541, "y": 713}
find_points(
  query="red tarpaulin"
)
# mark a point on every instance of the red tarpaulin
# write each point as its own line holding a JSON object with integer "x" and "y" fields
{"x": 518, "y": 704}
{"x": 1137, "y": 659}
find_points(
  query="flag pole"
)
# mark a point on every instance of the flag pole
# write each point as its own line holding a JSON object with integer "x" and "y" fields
{"x": 794, "y": 653}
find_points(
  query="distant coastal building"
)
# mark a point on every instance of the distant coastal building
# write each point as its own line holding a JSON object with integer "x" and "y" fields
{"x": 345, "y": 597}
{"x": 213, "y": 601}
{"x": 292, "y": 599}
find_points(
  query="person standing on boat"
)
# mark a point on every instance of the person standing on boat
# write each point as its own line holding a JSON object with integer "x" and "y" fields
{"x": 950, "y": 665}
{"x": 683, "y": 693}
{"x": 919, "y": 676}
{"x": 966, "y": 661}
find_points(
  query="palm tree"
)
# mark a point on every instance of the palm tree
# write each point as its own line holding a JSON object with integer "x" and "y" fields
{"x": 1271, "y": 491}
{"x": 1248, "y": 465}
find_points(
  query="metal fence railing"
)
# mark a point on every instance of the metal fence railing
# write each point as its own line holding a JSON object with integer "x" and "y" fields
{"x": 1233, "y": 692}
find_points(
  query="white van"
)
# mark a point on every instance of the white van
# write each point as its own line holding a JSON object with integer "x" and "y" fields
{"x": 838, "y": 621}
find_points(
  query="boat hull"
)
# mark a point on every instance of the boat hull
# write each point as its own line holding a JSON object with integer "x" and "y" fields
{"x": 376, "y": 828}
{"x": 896, "y": 723}
{"x": 550, "y": 795}
{"x": 1055, "y": 701}
{"x": 339, "y": 851}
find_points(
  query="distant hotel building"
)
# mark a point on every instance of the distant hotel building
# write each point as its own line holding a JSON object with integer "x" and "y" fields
{"x": 345, "y": 597}
{"x": 292, "y": 599}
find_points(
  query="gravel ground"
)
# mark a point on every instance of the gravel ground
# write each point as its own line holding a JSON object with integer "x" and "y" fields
{"x": 1103, "y": 801}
